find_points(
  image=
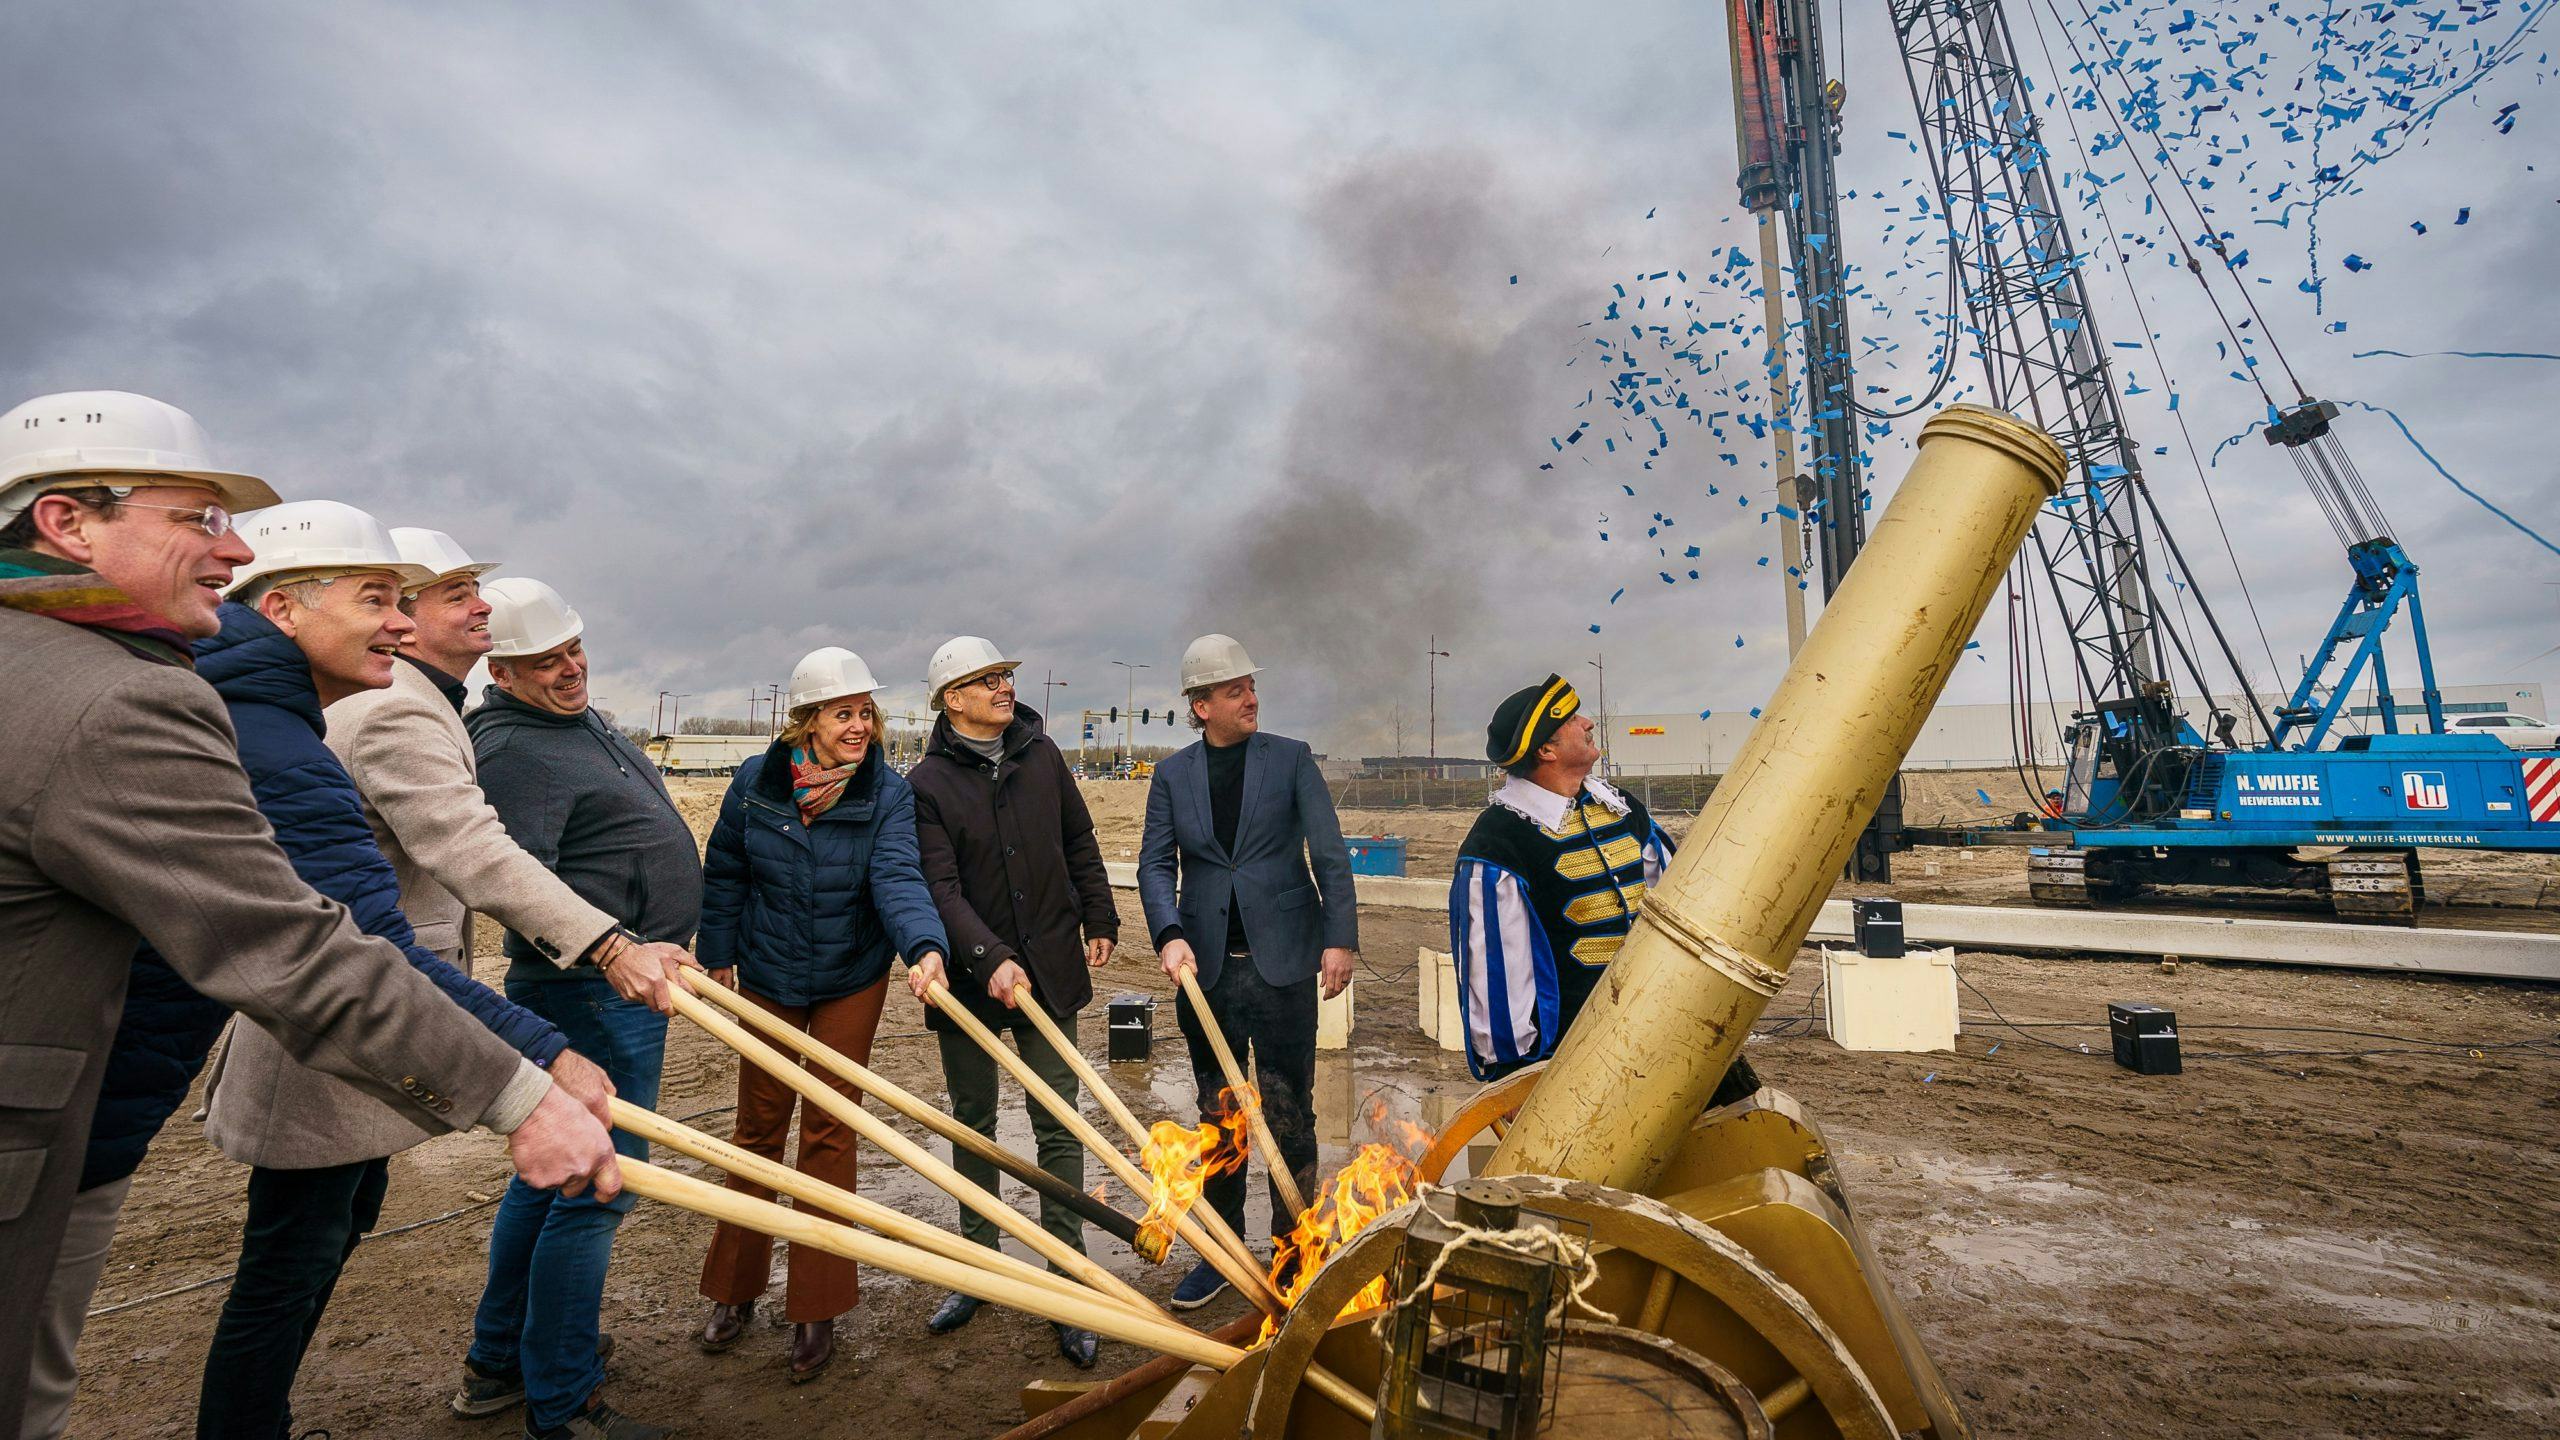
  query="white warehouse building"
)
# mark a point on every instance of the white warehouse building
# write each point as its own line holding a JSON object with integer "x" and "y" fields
{"x": 1976, "y": 737}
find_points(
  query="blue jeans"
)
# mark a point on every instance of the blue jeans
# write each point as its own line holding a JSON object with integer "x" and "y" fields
{"x": 547, "y": 1251}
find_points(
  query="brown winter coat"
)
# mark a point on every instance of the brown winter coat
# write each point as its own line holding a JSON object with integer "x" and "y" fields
{"x": 124, "y": 814}
{"x": 1010, "y": 856}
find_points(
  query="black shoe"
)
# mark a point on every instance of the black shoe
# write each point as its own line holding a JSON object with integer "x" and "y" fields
{"x": 486, "y": 1392}
{"x": 1199, "y": 1287}
{"x": 1079, "y": 1346}
{"x": 957, "y": 1310}
{"x": 600, "y": 1421}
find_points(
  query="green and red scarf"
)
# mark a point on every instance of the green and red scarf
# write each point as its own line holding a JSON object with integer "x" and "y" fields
{"x": 41, "y": 584}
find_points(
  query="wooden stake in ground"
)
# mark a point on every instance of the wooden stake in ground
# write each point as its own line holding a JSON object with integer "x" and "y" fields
{"x": 1241, "y": 1273}
{"x": 1249, "y": 1098}
{"x": 852, "y": 1072}
{"x": 1109, "y": 1099}
{"x": 1093, "y": 1313}
{"x": 905, "y": 1151}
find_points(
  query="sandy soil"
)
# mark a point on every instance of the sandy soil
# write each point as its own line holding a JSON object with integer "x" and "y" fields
{"x": 2307, "y": 1244}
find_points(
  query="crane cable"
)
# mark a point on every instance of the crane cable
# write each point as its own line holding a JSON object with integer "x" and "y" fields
{"x": 2212, "y": 236}
{"x": 2124, "y": 272}
{"x": 2194, "y": 266}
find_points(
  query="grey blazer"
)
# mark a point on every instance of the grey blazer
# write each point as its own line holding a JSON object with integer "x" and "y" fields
{"x": 124, "y": 813}
{"x": 1289, "y": 872}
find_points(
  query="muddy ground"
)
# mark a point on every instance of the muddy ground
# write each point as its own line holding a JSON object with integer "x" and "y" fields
{"x": 2271, "y": 1243}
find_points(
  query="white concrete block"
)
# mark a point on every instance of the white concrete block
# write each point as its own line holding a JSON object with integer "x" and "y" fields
{"x": 1333, "y": 1019}
{"x": 1904, "y": 1003}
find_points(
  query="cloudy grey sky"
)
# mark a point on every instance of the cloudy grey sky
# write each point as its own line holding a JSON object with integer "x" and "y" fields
{"x": 756, "y": 328}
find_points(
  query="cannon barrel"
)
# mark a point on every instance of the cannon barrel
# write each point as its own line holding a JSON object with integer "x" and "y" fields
{"x": 1716, "y": 937}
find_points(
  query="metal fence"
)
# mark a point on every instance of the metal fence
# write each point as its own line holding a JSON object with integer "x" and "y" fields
{"x": 1664, "y": 789}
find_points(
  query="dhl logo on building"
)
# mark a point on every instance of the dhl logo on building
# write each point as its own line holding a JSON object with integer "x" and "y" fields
{"x": 1644, "y": 729}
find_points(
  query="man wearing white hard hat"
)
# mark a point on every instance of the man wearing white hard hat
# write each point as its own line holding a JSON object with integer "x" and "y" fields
{"x": 125, "y": 816}
{"x": 576, "y": 793}
{"x": 1009, "y": 850}
{"x": 314, "y": 617}
{"x": 1246, "y": 881}
{"x": 810, "y": 888}
{"x": 411, "y": 758}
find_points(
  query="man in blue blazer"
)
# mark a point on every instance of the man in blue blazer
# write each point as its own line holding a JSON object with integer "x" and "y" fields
{"x": 1246, "y": 881}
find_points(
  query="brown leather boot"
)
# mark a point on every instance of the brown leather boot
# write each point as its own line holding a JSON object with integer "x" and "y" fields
{"x": 813, "y": 1344}
{"x": 726, "y": 1327}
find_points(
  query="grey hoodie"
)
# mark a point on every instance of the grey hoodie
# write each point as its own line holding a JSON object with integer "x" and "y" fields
{"x": 582, "y": 799}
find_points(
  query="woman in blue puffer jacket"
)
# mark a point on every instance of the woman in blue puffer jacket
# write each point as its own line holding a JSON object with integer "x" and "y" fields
{"x": 810, "y": 887}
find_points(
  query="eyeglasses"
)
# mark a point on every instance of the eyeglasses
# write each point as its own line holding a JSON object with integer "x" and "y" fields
{"x": 213, "y": 520}
{"x": 995, "y": 680}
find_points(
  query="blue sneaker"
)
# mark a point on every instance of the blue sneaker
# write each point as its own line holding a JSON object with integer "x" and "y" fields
{"x": 1198, "y": 1288}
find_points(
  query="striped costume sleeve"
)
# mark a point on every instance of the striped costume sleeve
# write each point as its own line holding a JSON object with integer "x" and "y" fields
{"x": 1657, "y": 856}
{"x": 1506, "y": 971}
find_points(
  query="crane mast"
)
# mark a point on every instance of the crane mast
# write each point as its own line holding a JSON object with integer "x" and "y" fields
{"x": 1787, "y": 126}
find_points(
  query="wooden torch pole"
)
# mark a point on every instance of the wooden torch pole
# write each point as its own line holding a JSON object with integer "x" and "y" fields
{"x": 1109, "y": 1099}
{"x": 906, "y": 1152}
{"x": 861, "y": 1077}
{"x": 896, "y": 1225}
{"x": 1088, "y": 1312}
{"x": 1250, "y": 1099}
{"x": 1241, "y": 1274}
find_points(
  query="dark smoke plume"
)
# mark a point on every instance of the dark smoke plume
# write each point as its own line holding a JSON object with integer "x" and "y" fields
{"x": 1410, "y": 500}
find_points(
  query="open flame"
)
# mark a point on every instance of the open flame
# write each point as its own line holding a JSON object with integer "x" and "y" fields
{"x": 1380, "y": 1177}
{"x": 1180, "y": 1161}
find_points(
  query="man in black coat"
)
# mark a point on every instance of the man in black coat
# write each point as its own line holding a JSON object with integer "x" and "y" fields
{"x": 1009, "y": 853}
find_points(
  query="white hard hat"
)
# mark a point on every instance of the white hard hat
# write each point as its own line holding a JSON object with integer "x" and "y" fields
{"x": 47, "y": 441}
{"x": 438, "y": 553}
{"x": 527, "y": 617}
{"x": 1214, "y": 660}
{"x": 319, "y": 536}
{"x": 961, "y": 659}
{"x": 829, "y": 674}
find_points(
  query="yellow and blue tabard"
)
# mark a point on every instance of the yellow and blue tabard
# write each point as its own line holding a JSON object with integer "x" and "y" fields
{"x": 1547, "y": 886}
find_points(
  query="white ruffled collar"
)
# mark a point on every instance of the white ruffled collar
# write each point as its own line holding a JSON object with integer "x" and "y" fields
{"x": 1545, "y": 808}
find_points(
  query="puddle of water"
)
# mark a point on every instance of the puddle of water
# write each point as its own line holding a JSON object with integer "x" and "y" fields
{"x": 1984, "y": 1179}
{"x": 2024, "y": 1251}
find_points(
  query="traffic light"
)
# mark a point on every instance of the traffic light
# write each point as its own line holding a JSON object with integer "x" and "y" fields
{"x": 1147, "y": 717}
{"x": 1115, "y": 714}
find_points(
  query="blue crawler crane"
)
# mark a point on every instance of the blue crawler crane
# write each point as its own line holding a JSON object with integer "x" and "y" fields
{"x": 2151, "y": 802}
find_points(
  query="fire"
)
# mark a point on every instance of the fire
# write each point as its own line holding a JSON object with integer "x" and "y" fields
{"x": 1180, "y": 1161}
{"x": 1379, "y": 1178}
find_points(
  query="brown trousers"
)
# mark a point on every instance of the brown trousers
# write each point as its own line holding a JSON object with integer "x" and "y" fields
{"x": 820, "y": 1286}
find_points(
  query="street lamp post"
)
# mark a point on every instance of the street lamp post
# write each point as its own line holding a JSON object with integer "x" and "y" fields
{"x": 1129, "y": 714}
{"x": 1051, "y": 683}
{"x": 1431, "y": 649}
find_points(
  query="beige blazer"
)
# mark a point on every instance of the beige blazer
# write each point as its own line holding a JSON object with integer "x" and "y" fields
{"x": 124, "y": 814}
{"x": 411, "y": 760}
